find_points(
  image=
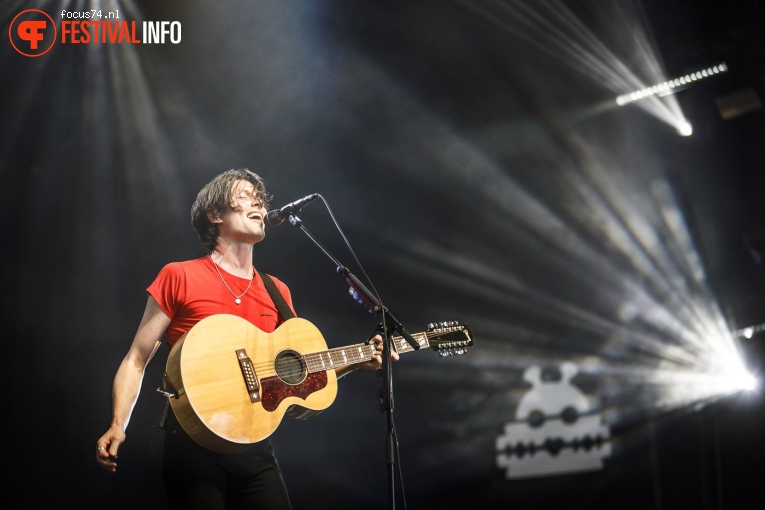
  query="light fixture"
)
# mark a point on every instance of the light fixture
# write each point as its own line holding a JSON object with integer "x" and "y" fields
{"x": 749, "y": 331}
{"x": 684, "y": 128}
{"x": 670, "y": 86}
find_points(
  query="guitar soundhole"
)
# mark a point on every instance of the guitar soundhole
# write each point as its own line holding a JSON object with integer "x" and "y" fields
{"x": 290, "y": 367}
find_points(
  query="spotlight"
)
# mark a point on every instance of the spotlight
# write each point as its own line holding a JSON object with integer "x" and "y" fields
{"x": 749, "y": 331}
{"x": 742, "y": 381}
{"x": 748, "y": 382}
{"x": 684, "y": 128}
{"x": 669, "y": 86}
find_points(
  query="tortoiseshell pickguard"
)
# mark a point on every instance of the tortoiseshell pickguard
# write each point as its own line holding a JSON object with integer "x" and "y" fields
{"x": 274, "y": 390}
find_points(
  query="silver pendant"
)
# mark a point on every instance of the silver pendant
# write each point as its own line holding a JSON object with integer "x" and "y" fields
{"x": 237, "y": 301}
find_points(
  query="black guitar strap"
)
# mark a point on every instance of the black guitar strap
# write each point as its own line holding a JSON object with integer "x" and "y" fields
{"x": 284, "y": 309}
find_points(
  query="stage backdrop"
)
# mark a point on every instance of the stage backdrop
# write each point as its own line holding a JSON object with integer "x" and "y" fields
{"x": 475, "y": 157}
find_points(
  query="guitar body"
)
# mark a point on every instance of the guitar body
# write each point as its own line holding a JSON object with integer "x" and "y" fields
{"x": 232, "y": 384}
{"x": 214, "y": 404}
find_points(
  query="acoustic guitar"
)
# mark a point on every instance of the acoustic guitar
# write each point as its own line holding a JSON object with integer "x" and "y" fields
{"x": 231, "y": 383}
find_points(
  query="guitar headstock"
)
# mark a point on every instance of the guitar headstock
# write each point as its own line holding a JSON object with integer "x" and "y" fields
{"x": 449, "y": 338}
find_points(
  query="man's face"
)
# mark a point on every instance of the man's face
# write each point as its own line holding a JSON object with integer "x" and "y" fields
{"x": 243, "y": 220}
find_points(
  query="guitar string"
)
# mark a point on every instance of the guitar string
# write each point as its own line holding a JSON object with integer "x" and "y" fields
{"x": 268, "y": 369}
{"x": 352, "y": 356}
{"x": 398, "y": 340}
{"x": 265, "y": 367}
{"x": 401, "y": 345}
{"x": 352, "y": 352}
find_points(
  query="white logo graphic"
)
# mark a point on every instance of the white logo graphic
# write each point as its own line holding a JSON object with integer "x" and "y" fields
{"x": 554, "y": 432}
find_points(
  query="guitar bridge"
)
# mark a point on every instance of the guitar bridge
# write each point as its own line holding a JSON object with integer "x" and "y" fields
{"x": 248, "y": 373}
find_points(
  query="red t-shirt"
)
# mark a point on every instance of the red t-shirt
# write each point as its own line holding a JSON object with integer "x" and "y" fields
{"x": 191, "y": 290}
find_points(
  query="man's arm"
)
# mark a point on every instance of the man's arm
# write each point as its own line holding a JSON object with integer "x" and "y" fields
{"x": 127, "y": 381}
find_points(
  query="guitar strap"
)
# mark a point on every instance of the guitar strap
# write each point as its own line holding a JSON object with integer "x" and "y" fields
{"x": 284, "y": 309}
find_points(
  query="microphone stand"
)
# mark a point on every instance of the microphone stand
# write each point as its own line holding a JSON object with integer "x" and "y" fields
{"x": 387, "y": 327}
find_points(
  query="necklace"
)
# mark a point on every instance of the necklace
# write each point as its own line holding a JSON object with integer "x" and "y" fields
{"x": 237, "y": 299}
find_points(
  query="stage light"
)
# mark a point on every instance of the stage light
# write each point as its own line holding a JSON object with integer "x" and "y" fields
{"x": 684, "y": 128}
{"x": 748, "y": 382}
{"x": 670, "y": 86}
{"x": 749, "y": 331}
{"x": 735, "y": 377}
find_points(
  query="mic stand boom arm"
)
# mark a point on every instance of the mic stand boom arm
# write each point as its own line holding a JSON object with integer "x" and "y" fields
{"x": 364, "y": 297}
{"x": 359, "y": 292}
{"x": 389, "y": 325}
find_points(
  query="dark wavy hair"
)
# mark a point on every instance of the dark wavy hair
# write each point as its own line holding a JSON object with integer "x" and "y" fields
{"x": 215, "y": 197}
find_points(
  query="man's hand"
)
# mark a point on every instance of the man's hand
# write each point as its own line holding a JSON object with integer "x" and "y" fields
{"x": 107, "y": 446}
{"x": 376, "y": 362}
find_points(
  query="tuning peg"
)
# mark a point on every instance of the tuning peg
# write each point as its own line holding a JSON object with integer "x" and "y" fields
{"x": 444, "y": 325}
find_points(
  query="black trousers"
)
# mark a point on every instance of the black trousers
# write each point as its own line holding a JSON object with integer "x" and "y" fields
{"x": 197, "y": 478}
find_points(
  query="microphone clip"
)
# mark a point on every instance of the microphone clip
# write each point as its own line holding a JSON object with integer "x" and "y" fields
{"x": 277, "y": 216}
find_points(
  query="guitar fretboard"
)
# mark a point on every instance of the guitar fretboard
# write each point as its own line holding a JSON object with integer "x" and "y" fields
{"x": 403, "y": 346}
{"x": 358, "y": 353}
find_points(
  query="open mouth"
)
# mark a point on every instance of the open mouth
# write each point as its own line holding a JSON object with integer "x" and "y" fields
{"x": 255, "y": 216}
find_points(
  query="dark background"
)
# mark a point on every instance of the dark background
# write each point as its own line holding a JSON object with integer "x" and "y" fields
{"x": 475, "y": 158}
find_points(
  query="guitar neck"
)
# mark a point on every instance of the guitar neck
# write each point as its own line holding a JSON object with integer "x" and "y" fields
{"x": 358, "y": 353}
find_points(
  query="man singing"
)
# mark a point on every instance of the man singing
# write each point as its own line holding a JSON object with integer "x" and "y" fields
{"x": 228, "y": 215}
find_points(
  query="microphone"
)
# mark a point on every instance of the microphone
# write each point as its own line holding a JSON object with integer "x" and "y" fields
{"x": 276, "y": 217}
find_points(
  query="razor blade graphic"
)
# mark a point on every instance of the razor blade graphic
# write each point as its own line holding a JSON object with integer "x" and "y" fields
{"x": 555, "y": 431}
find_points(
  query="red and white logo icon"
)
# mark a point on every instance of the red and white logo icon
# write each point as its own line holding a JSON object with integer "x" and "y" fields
{"x": 32, "y": 33}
